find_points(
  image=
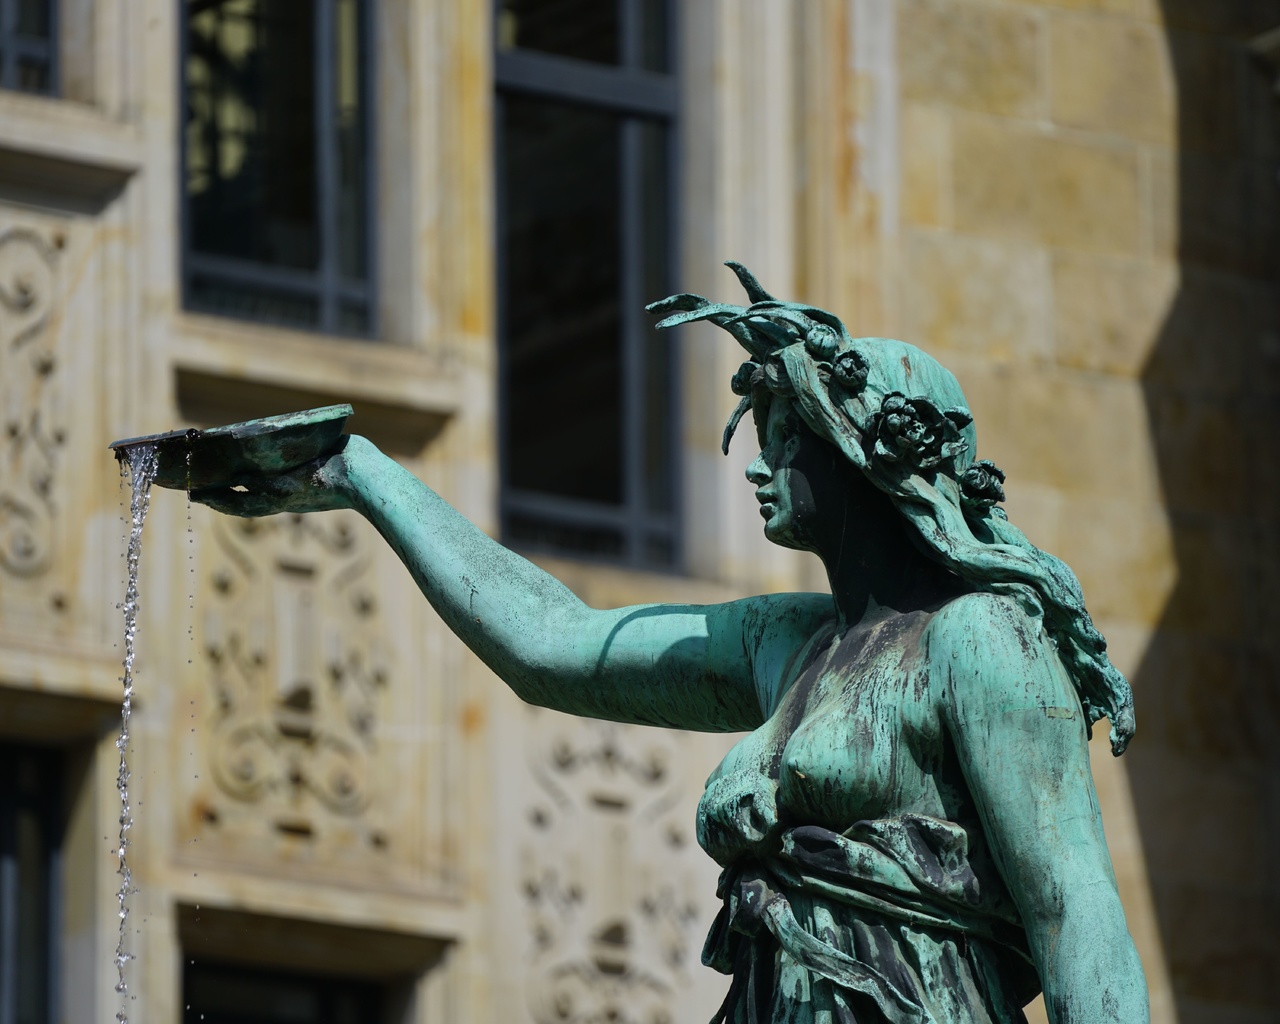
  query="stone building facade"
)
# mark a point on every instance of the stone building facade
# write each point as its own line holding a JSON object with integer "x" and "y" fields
{"x": 1072, "y": 203}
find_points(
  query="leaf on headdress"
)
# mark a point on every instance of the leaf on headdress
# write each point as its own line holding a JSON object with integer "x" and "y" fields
{"x": 821, "y": 316}
{"x": 765, "y": 325}
{"x": 748, "y": 280}
{"x": 711, "y": 311}
{"x": 734, "y": 420}
{"x": 672, "y": 303}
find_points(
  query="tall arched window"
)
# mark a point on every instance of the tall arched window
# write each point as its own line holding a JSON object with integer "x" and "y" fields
{"x": 276, "y": 152}
{"x": 586, "y": 112}
{"x": 28, "y": 45}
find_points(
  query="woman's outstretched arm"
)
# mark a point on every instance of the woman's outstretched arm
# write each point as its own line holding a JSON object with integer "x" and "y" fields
{"x": 1019, "y": 731}
{"x": 682, "y": 666}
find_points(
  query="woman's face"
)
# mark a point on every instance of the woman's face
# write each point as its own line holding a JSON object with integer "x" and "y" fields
{"x": 803, "y": 483}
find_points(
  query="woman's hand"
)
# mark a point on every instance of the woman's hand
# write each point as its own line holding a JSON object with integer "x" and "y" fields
{"x": 317, "y": 486}
{"x": 737, "y": 812}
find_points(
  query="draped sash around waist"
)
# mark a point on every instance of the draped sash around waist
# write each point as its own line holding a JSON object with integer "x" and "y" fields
{"x": 910, "y": 869}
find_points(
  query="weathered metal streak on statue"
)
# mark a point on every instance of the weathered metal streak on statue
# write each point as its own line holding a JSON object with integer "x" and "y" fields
{"x": 910, "y": 832}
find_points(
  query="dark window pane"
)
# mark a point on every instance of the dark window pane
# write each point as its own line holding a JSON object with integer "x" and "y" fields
{"x": 660, "y": 550}
{"x": 655, "y": 205}
{"x": 560, "y": 175}
{"x": 34, "y": 19}
{"x": 33, "y": 75}
{"x": 353, "y": 318}
{"x": 251, "y": 138}
{"x": 233, "y": 298}
{"x": 30, "y": 787}
{"x": 350, "y": 126}
{"x": 32, "y": 854}
{"x": 224, "y": 994}
{"x": 584, "y": 29}
{"x": 539, "y": 534}
{"x": 654, "y": 33}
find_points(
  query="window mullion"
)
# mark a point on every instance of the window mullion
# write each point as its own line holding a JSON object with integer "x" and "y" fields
{"x": 52, "y": 62}
{"x": 365, "y": 44}
{"x": 633, "y": 361}
{"x": 502, "y": 315}
{"x": 675, "y": 376}
{"x": 326, "y": 160}
{"x": 53, "y": 818}
{"x": 631, "y": 38}
{"x": 9, "y": 77}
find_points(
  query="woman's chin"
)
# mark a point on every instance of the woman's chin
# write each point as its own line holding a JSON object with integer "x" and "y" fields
{"x": 777, "y": 530}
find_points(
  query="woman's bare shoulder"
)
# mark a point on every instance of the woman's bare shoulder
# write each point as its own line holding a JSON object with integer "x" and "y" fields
{"x": 980, "y": 611}
{"x": 794, "y": 614}
{"x": 990, "y": 651}
{"x": 776, "y": 628}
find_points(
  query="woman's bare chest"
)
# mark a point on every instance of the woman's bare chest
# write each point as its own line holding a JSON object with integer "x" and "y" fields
{"x": 857, "y": 735}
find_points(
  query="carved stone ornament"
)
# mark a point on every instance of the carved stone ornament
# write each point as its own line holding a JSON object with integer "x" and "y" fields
{"x": 610, "y": 908}
{"x": 297, "y": 685}
{"x": 33, "y": 436}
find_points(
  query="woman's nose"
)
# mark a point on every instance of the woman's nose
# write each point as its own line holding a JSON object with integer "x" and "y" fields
{"x": 758, "y": 472}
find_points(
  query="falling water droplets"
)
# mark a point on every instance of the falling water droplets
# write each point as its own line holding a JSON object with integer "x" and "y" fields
{"x": 143, "y": 460}
{"x": 191, "y": 568}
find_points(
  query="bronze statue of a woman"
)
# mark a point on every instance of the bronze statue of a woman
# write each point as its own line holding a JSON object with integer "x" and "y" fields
{"x": 909, "y": 832}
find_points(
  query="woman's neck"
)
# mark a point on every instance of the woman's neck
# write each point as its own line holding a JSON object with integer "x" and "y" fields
{"x": 873, "y": 565}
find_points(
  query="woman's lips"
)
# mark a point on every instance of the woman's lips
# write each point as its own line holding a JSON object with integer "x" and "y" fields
{"x": 766, "y": 504}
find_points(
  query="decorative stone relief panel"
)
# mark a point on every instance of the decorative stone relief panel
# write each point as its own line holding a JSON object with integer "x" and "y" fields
{"x": 33, "y": 432}
{"x": 608, "y": 876}
{"x": 294, "y": 652}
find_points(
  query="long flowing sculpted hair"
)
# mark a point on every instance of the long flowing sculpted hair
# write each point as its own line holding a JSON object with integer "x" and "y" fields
{"x": 898, "y": 415}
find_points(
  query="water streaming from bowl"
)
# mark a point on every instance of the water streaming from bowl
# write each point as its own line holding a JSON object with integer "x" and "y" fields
{"x": 143, "y": 461}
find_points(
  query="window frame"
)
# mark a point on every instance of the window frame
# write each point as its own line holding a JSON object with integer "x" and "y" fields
{"x": 14, "y": 46}
{"x": 325, "y": 284}
{"x": 634, "y": 94}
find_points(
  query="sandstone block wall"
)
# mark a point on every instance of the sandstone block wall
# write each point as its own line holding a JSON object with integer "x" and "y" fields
{"x": 1088, "y": 235}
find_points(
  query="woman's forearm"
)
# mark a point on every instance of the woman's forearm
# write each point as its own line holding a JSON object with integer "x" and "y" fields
{"x": 1091, "y": 971}
{"x": 516, "y": 617}
{"x": 680, "y": 666}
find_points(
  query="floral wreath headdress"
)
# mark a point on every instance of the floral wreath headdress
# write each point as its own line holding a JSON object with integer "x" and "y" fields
{"x": 898, "y": 415}
{"x": 806, "y": 354}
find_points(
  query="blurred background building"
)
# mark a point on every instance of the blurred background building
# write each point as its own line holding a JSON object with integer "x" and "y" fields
{"x": 450, "y": 213}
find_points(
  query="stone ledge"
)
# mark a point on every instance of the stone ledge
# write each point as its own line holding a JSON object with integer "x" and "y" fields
{"x": 57, "y": 699}
{"x": 412, "y": 921}
{"x": 65, "y": 673}
{"x": 265, "y": 940}
{"x": 63, "y": 152}
{"x": 227, "y": 370}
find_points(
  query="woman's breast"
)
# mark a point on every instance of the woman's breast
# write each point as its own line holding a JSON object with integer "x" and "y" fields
{"x": 857, "y": 736}
{"x": 867, "y": 747}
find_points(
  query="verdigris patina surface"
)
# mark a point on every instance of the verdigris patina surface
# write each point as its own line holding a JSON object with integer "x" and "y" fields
{"x": 909, "y": 833}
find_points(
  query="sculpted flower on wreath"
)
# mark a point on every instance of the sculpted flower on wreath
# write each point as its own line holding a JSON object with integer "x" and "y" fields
{"x": 917, "y": 432}
{"x": 742, "y": 380}
{"x": 849, "y": 368}
{"x": 981, "y": 484}
{"x": 821, "y": 341}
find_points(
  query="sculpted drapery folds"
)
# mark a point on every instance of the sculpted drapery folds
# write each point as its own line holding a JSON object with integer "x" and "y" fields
{"x": 909, "y": 832}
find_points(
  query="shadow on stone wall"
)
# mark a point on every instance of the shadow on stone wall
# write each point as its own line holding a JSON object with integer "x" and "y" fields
{"x": 1205, "y": 770}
